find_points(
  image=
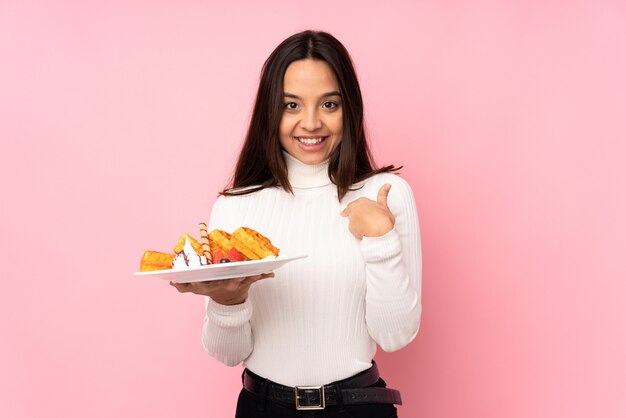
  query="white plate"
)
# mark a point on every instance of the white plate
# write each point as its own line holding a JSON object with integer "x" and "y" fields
{"x": 221, "y": 270}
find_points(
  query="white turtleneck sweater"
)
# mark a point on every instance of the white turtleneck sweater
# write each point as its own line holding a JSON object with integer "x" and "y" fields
{"x": 319, "y": 319}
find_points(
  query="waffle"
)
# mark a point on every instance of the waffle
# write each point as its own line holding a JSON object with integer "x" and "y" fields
{"x": 219, "y": 241}
{"x": 154, "y": 260}
{"x": 252, "y": 244}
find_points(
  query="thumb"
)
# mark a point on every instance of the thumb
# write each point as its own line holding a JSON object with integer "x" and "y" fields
{"x": 383, "y": 192}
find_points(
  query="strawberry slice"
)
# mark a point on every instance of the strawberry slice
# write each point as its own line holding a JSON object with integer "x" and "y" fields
{"x": 217, "y": 256}
{"x": 235, "y": 255}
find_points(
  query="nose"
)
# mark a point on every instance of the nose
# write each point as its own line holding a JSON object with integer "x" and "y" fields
{"x": 311, "y": 120}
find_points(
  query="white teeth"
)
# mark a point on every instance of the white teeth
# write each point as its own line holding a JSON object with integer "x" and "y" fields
{"x": 309, "y": 141}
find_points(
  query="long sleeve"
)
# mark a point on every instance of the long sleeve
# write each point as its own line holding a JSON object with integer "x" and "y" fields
{"x": 332, "y": 307}
{"x": 393, "y": 272}
{"x": 226, "y": 332}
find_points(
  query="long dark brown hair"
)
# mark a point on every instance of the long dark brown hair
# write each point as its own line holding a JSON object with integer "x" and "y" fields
{"x": 261, "y": 163}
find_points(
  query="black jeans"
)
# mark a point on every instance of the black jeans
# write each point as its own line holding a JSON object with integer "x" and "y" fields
{"x": 250, "y": 405}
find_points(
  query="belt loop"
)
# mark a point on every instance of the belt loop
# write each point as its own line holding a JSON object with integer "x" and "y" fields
{"x": 264, "y": 390}
{"x": 339, "y": 389}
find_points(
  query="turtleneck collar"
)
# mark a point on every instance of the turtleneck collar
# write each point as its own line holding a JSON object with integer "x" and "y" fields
{"x": 306, "y": 176}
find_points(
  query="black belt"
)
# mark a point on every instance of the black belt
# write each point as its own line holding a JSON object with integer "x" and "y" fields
{"x": 353, "y": 390}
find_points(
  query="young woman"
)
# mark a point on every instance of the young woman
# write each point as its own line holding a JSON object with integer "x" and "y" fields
{"x": 307, "y": 333}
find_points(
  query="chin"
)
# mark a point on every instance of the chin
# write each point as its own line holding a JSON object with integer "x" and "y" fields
{"x": 311, "y": 160}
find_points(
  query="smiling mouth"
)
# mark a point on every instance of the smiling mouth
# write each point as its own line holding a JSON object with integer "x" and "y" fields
{"x": 310, "y": 140}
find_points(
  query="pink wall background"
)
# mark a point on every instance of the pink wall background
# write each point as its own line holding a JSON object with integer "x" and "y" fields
{"x": 119, "y": 122}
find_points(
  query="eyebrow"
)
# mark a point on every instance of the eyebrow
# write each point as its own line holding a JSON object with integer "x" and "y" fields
{"x": 329, "y": 94}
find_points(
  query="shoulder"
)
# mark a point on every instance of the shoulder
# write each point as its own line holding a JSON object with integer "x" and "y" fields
{"x": 400, "y": 197}
{"x": 393, "y": 179}
{"x": 226, "y": 211}
{"x": 399, "y": 186}
{"x": 226, "y": 203}
{"x": 246, "y": 195}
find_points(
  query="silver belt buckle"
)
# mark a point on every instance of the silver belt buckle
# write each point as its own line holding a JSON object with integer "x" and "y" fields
{"x": 322, "y": 403}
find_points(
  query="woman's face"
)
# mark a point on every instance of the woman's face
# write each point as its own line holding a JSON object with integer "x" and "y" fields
{"x": 312, "y": 121}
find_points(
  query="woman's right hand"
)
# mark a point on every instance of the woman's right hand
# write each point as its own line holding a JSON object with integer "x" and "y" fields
{"x": 224, "y": 292}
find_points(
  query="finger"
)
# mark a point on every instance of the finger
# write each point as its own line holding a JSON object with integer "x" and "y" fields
{"x": 383, "y": 193}
{"x": 249, "y": 280}
{"x": 202, "y": 285}
{"x": 263, "y": 276}
{"x": 252, "y": 279}
{"x": 181, "y": 287}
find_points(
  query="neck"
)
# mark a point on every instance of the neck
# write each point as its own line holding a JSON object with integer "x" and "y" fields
{"x": 306, "y": 176}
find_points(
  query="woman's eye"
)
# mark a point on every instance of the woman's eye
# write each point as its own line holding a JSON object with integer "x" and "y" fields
{"x": 291, "y": 105}
{"x": 330, "y": 105}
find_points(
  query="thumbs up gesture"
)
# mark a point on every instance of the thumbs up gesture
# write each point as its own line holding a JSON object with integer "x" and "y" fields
{"x": 369, "y": 218}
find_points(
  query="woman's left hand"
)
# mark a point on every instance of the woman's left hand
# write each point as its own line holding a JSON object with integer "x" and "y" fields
{"x": 370, "y": 218}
